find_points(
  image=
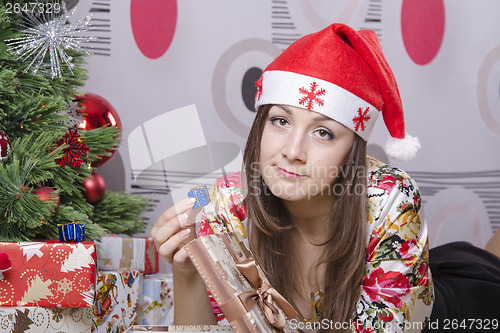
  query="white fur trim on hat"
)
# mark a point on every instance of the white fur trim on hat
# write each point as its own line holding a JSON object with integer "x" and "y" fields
{"x": 402, "y": 149}
{"x": 288, "y": 88}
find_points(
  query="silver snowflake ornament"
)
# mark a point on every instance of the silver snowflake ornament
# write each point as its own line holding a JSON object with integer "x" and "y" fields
{"x": 71, "y": 117}
{"x": 49, "y": 33}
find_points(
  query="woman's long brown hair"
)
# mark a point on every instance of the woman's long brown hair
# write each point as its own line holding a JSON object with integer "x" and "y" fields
{"x": 344, "y": 251}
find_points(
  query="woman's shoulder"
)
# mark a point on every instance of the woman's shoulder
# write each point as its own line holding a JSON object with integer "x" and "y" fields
{"x": 391, "y": 193}
{"x": 380, "y": 175}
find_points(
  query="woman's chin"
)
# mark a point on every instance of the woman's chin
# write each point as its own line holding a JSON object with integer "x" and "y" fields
{"x": 289, "y": 193}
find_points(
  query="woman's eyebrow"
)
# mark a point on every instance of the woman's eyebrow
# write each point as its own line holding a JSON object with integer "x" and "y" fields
{"x": 322, "y": 118}
{"x": 284, "y": 109}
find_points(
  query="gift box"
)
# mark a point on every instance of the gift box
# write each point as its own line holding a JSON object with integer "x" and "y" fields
{"x": 201, "y": 195}
{"x": 117, "y": 301}
{"x": 48, "y": 274}
{"x": 71, "y": 232}
{"x": 157, "y": 300}
{"x": 239, "y": 286}
{"x": 35, "y": 319}
{"x": 179, "y": 328}
{"x": 127, "y": 253}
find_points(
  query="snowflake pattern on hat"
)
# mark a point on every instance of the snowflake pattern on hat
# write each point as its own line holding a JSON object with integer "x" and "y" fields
{"x": 360, "y": 119}
{"x": 311, "y": 97}
{"x": 258, "y": 85}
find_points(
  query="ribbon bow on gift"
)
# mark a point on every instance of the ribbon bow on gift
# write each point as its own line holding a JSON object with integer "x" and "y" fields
{"x": 263, "y": 292}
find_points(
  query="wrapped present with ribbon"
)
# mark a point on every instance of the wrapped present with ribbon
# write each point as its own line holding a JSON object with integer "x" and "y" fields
{"x": 201, "y": 195}
{"x": 71, "y": 232}
{"x": 239, "y": 286}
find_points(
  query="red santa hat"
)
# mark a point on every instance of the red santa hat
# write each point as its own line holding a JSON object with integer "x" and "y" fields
{"x": 343, "y": 74}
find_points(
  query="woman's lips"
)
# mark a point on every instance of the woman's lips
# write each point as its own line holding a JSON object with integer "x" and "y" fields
{"x": 288, "y": 174}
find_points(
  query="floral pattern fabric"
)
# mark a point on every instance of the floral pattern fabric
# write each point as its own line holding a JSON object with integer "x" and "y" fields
{"x": 396, "y": 293}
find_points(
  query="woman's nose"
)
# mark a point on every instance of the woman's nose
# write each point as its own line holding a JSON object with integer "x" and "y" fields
{"x": 294, "y": 147}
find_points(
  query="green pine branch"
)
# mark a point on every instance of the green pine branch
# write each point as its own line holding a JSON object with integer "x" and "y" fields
{"x": 120, "y": 213}
{"x": 102, "y": 141}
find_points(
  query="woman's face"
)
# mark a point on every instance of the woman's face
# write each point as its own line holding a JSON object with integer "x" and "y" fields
{"x": 302, "y": 152}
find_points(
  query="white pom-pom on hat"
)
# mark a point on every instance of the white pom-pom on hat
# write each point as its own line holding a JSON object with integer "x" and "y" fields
{"x": 402, "y": 149}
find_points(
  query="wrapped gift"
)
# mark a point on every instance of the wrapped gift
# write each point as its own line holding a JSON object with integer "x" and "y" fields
{"x": 117, "y": 301}
{"x": 200, "y": 194}
{"x": 127, "y": 253}
{"x": 157, "y": 300}
{"x": 239, "y": 286}
{"x": 48, "y": 274}
{"x": 35, "y": 319}
{"x": 71, "y": 232}
{"x": 179, "y": 328}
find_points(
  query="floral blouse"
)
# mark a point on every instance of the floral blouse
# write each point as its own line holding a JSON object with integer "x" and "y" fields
{"x": 397, "y": 292}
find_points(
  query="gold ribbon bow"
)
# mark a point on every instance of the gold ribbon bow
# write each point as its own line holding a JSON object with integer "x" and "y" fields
{"x": 264, "y": 292}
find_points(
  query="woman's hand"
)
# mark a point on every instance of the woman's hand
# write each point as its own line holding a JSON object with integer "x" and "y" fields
{"x": 174, "y": 229}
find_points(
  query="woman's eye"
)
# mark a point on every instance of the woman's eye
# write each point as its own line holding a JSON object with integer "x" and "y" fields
{"x": 279, "y": 121}
{"x": 324, "y": 134}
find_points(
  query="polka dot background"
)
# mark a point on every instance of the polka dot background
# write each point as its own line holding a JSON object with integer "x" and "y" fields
{"x": 158, "y": 56}
{"x": 422, "y": 27}
{"x": 153, "y": 24}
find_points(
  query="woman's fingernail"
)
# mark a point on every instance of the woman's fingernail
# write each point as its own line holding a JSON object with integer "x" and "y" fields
{"x": 185, "y": 232}
{"x": 182, "y": 218}
{"x": 190, "y": 202}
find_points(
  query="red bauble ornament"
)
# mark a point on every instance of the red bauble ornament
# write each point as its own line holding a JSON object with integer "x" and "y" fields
{"x": 46, "y": 193}
{"x": 94, "y": 188}
{"x": 4, "y": 145}
{"x": 97, "y": 112}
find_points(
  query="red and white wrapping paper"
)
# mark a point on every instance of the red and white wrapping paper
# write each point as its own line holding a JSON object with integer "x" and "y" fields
{"x": 127, "y": 253}
{"x": 49, "y": 274}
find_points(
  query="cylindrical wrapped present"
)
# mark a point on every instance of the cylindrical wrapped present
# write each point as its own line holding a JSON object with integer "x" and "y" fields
{"x": 239, "y": 286}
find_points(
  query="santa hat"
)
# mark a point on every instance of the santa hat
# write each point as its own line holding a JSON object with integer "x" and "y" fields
{"x": 343, "y": 74}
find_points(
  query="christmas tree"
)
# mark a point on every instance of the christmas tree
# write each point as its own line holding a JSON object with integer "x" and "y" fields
{"x": 46, "y": 156}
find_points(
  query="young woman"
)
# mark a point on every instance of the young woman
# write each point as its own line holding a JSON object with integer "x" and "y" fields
{"x": 338, "y": 234}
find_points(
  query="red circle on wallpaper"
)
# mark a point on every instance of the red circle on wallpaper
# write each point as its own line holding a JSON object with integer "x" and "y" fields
{"x": 153, "y": 25}
{"x": 422, "y": 26}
